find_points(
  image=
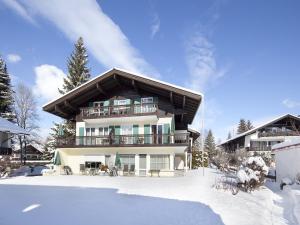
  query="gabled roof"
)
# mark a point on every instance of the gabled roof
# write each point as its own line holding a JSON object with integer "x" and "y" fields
{"x": 65, "y": 105}
{"x": 9, "y": 127}
{"x": 261, "y": 126}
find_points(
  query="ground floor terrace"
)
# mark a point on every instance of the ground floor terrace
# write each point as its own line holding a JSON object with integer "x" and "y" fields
{"x": 130, "y": 200}
{"x": 133, "y": 161}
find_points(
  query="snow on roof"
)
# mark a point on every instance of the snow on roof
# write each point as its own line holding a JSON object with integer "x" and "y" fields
{"x": 9, "y": 127}
{"x": 133, "y": 73}
{"x": 286, "y": 144}
{"x": 259, "y": 127}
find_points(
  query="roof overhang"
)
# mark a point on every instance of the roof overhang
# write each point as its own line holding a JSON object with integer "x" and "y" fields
{"x": 67, "y": 104}
{"x": 260, "y": 127}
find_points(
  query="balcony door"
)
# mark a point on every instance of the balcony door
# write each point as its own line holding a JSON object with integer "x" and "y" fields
{"x": 127, "y": 132}
{"x": 159, "y": 133}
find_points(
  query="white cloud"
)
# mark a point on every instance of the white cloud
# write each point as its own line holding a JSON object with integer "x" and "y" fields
{"x": 19, "y": 9}
{"x": 155, "y": 26}
{"x": 102, "y": 36}
{"x": 48, "y": 79}
{"x": 201, "y": 62}
{"x": 13, "y": 58}
{"x": 290, "y": 103}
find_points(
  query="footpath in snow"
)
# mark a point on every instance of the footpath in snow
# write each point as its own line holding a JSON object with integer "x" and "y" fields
{"x": 187, "y": 200}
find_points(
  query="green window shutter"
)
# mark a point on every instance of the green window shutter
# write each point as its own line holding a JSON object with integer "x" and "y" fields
{"x": 106, "y": 103}
{"x": 81, "y": 134}
{"x": 91, "y": 104}
{"x": 117, "y": 134}
{"x": 166, "y": 132}
{"x": 137, "y": 101}
{"x": 137, "y": 107}
{"x": 135, "y": 134}
{"x": 146, "y": 133}
{"x": 81, "y": 131}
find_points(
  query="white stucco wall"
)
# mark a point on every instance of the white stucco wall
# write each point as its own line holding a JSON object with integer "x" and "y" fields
{"x": 287, "y": 162}
{"x": 125, "y": 121}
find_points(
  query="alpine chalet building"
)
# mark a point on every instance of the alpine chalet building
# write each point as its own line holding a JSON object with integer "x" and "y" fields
{"x": 142, "y": 120}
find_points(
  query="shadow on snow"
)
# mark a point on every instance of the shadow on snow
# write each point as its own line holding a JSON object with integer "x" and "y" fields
{"x": 36, "y": 205}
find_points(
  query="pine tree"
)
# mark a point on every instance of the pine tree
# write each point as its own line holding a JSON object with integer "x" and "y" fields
{"x": 209, "y": 144}
{"x": 6, "y": 93}
{"x": 197, "y": 156}
{"x": 65, "y": 129}
{"x": 78, "y": 72}
{"x": 229, "y": 135}
{"x": 242, "y": 127}
{"x": 249, "y": 125}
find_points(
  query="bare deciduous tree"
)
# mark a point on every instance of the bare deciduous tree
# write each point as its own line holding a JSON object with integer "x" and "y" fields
{"x": 25, "y": 109}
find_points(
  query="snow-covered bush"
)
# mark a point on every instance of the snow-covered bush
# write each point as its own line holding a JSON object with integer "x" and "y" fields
{"x": 297, "y": 178}
{"x": 221, "y": 160}
{"x": 252, "y": 172}
{"x": 238, "y": 157}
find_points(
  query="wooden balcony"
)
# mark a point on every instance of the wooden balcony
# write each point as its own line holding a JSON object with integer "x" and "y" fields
{"x": 124, "y": 140}
{"x": 277, "y": 134}
{"x": 5, "y": 151}
{"x": 119, "y": 111}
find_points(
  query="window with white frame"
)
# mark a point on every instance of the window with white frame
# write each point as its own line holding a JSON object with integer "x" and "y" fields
{"x": 159, "y": 162}
{"x": 147, "y": 105}
{"x": 103, "y": 131}
{"x": 147, "y": 100}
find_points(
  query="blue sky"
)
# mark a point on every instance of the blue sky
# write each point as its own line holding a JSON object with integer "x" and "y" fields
{"x": 243, "y": 55}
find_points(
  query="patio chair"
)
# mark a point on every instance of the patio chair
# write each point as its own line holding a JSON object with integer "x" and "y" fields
{"x": 125, "y": 170}
{"x": 82, "y": 169}
{"x": 132, "y": 170}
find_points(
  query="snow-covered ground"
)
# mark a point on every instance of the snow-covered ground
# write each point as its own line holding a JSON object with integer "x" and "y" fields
{"x": 187, "y": 200}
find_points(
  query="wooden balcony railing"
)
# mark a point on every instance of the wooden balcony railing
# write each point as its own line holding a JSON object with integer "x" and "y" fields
{"x": 119, "y": 110}
{"x": 124, "y": 140}
{"x": 278, "y": 133}
{"x": 5, "y": 151}
{"x": 260, "y": 149}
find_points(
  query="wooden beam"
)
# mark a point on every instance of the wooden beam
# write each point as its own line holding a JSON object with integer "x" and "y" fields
{"x": 135, "y": 85}
{"x": 171, "y": 97}
{"x": 183, "y": 106}
{"x": 58, "y": 109}
{"x": 101, "y": 89}
{"x": 117, "y": 80}
{"x": 68, "y": 104}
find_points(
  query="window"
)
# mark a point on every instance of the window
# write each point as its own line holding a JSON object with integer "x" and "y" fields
{"x": 89, "y": 132}
{"x": 159, "y": 162}
{"x": 98, "y": 104}
{"x": 147, "y": 105}
{"x": 92, "y": 131}
{"x": 121, "y": 102}
{"x": 103, "y": 131}
{"x": 127, "y": 160}
{"x": 147, "y": 100}
{"x": 92, "y": 165}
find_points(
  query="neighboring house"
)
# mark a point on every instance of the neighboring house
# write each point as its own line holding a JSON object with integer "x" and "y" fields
{"x": 287, "y": 158}
{"x": 142, "y": 120}
{"x": 263, "y": 137}
{"x": 32, "y": 152}
{"x": 7, "y": 131}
